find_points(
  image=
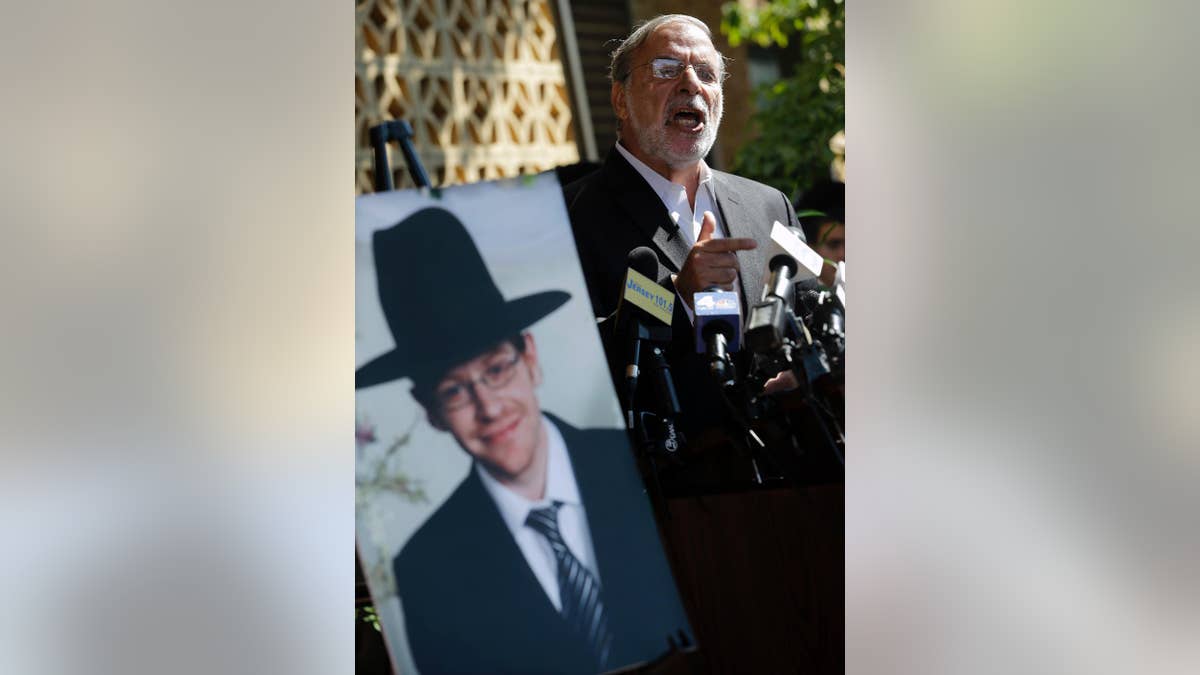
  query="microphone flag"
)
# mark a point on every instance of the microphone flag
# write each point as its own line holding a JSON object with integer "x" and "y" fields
{"x": 717, "y": 305}
{"x": 784, "y": 242}
{"x": 645, "y": 294}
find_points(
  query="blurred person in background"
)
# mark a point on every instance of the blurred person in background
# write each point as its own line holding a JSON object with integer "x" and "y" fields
{"x": 826, "y": 232}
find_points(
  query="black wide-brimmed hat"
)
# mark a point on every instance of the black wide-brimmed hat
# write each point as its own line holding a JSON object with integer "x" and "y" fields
{"x": 440, "y": 301}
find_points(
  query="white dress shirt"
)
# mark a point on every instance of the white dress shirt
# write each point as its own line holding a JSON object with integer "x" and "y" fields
{"x": 572, "y": 518}
{"x": 674, "y": 197}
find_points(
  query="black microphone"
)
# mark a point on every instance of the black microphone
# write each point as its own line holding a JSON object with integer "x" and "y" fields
{"x": 718, "y": 320}
{"x": 643, "y": 261}
{"x": 825, "y": 317}
{"x": 788, "y": 259}
{"x": 768, "y": 323}
{"x": 643, "y": 314}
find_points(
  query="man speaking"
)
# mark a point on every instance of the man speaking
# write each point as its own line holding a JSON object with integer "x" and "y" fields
{"x": 654, "y": 189}
{"x": 545, "y": 558}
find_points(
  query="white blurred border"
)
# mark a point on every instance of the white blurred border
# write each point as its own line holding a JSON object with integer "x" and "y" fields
{"x": 1022, "y": 468}
{"x": 176, "y": 387}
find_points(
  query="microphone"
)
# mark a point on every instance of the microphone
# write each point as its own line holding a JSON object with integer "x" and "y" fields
{"x": 644, "y": 312}
{"x": 789, "y": 260}
{"x": 641, "y": 296}
{"x": 806, "y": 263}
{"x": 643, "y": 260}
{"x": 839, "y": 283}
{"x": 718, "y": 330}
{"x": 824, "y": 314}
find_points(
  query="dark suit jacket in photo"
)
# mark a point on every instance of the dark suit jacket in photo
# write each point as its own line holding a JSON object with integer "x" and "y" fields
{"x": 472, "y": 605}
{"x": 614, "y": 210}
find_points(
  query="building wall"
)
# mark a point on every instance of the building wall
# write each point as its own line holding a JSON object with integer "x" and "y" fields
{"x": 598, "y": 25}
{"x": 480, "y": 81}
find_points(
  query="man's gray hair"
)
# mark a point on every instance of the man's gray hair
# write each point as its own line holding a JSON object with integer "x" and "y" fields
{"x": 620, "y": 67}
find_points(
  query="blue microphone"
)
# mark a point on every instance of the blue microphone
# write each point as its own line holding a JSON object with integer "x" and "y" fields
{"x": 718, "y": 321}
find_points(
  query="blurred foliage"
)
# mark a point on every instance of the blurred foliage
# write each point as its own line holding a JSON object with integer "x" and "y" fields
{"x": 797, "y": 117}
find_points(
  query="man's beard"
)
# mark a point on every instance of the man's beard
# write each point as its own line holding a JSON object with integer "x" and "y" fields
{"x": 652, "y": 133}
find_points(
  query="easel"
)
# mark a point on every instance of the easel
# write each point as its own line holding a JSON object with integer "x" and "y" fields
{"x": 401, "y": 132}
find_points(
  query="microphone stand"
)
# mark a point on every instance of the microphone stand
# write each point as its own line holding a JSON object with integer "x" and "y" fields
{"x": 401, "y": 132}
{"x": 652, "y": 432}
{"x": 664, "y": 384}
{"x": 668, "y": 438}
{"x": 738, "y": 422}
{"x": 631, "y": 378}
{"x": 807, "y": 369}
{"x": 642, "y": 337}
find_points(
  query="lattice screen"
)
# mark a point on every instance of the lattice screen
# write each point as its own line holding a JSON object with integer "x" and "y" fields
{"x": 480, "y": 81}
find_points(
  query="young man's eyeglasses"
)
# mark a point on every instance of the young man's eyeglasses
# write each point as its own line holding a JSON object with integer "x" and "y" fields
{"x": 670, "y": 69}
{"x": 498, "y": 371}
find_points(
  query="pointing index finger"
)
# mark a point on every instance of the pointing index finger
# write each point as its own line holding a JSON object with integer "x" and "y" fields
{"x": 707, "y": 226}
{"x": 729, "y": 244}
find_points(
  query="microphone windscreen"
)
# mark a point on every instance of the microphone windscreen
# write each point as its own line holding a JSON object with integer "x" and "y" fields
{"x": 808, "y": 284}
{"x": 643, "y": 260}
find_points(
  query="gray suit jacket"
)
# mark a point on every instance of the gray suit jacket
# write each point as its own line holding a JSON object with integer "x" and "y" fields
{"x": 614, "y": 210}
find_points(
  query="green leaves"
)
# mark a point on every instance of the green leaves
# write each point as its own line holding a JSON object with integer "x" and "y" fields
{"x": 797, "y": 116}
{"x": 795, "y": 123}
{"x": 775, "y": 22}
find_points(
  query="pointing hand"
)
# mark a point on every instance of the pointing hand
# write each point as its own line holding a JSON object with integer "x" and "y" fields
{"x": 711, "y": 262}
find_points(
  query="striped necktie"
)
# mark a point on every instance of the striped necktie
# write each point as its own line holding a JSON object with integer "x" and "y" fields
{"x": 578, "y": 589}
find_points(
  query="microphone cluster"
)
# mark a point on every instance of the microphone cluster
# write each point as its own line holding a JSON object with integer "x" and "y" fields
{"x": 797, "y": 326}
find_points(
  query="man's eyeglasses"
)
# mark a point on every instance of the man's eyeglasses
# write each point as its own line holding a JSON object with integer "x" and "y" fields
{"x": 497, "y": 372}
{"x": 669, "y": 69}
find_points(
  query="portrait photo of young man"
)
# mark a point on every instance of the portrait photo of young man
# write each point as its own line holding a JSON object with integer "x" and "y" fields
{"x": 545, "y": 556}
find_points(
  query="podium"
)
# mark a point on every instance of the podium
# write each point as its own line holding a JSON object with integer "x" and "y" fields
{"x": 761, "y": 574}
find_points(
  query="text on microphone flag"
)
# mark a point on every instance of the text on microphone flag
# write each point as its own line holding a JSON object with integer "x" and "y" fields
{"x": 644, "y": 293}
